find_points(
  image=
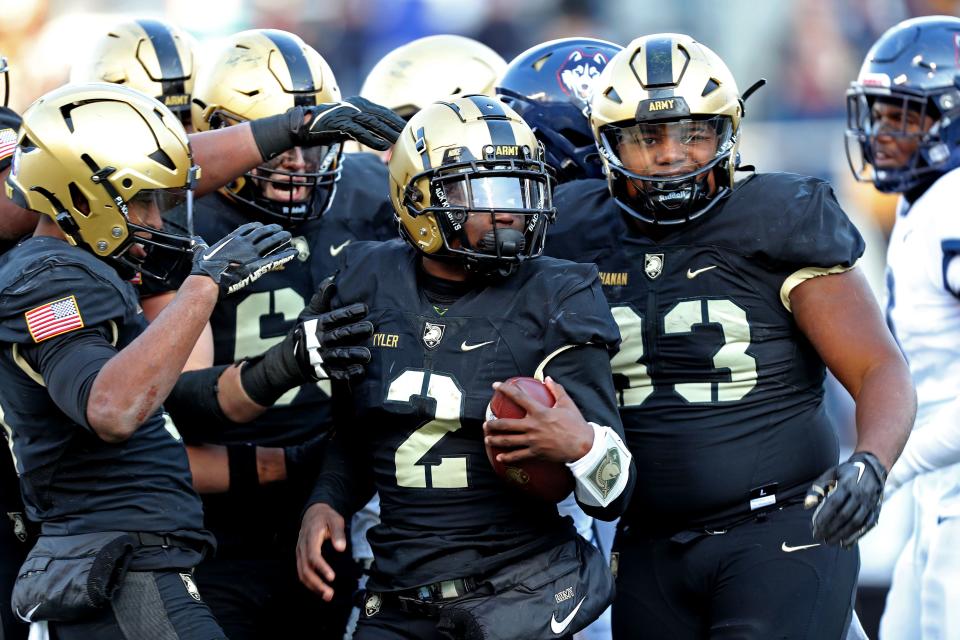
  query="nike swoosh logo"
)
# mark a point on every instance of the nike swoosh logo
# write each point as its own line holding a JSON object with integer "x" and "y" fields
{"x": 691, "y": 274}
{"x": 470, "y": 347}
{"x": 786, "y": 549}
{"x": 335, "y": 250}
{"x": 561, "y": 626}
{"x": 207, "y": 256}
{"x": 860, "y": 467}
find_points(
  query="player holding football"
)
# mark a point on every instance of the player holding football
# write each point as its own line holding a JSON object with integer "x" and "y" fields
{"x": 731, "y": 298}
{"x": 327, "y": 199}
{"x": 458, "y": 305}
{"x": 904, "y": 135}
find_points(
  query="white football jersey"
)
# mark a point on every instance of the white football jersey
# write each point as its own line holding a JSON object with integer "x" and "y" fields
{"x": 923, "y": 273}
{"x": 923, "y": 312}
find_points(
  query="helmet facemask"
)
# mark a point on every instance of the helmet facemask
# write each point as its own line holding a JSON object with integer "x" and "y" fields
{"x": 282, "y": 190}
{"x": 903, "y": 120}
{"x": 495, "y": 187}
{"x": 665, "y": 166}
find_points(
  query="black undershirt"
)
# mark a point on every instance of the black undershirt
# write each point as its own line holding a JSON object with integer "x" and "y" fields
{"x": 443, "y": 292}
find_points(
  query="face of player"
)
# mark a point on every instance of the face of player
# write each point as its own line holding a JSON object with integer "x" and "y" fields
{"x": 288, "y": 188}
{"x": 897, "y": 131}
{"x": 662, "y": 150}
{"x": 502, "y": 191}
{"x": 145, "y": 212}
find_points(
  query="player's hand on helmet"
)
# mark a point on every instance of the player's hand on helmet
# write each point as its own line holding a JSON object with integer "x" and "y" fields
{"x": 242, "y": 256}
{"x": 356, "y": 118}
{"x": 847, "y": 499}
{"x": 325, "y": 343}
{"x": 320, "y": 523}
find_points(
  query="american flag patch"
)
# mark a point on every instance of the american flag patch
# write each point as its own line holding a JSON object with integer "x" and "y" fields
{"x": 8, "y": 142}
{"x": 54, "y": 318}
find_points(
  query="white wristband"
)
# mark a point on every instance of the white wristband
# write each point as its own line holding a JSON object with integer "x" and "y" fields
{"x": 603, "y": 472}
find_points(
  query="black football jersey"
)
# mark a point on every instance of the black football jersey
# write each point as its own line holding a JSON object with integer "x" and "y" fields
{"x": 721, "y": 394}
{"x": 72, "y": 481}
{"x": 247, "y": 323}
{"x": 420, "y": 408}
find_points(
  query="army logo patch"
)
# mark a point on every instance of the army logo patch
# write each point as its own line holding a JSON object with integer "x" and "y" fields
{"x": 604, "y": 476}
{"x": 653, "y": 265}
{"x": 191, "y": 587}
{"x": 302, "y": 246}
{"x": 371, "y": 606}
{"x": 432, "y": 334}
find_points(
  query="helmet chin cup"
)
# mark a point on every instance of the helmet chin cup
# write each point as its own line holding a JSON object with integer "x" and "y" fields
{"x": 507, "y": 243}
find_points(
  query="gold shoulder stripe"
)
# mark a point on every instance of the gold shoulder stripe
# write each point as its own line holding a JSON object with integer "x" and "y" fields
{"x": 802, "y": 275}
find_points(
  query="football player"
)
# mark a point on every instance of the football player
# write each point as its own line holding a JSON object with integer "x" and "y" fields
{"x": 327, "y": 200}
{"x": 102, "y": 467}
{"x": 903, "y": 134}
{"x": 550, "y": 86}
{"x": 731, "y": 297}
{"x": 459, "y": 304}
{"x": 429, "y": 69}
{"x": 152, "y": 56}
{"x": 158, "y": 59}
{"x": 15, "y": 530}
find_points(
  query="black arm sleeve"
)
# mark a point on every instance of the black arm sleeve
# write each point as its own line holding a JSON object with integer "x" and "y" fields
{"x": 584, "y": 372}
{"x": 346, "y": 477}
{"x": 69, "y": 364}
{"x": 194, "y": 407}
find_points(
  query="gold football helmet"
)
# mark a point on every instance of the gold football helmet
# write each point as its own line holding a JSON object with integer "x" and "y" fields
{"x": 430, "y": 69}
{"x": 265, "y": 72}
{"x": 470, "y": 156}
{"x": 99, "y": 159}
{"x": 666, "y": 116}
{"x": 152, "y": 56}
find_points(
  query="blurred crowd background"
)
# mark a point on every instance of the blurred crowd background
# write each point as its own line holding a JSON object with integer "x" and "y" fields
{"x": 808, "y": 50}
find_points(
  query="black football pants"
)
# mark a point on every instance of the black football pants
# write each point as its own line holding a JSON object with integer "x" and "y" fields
{"x": 388, "y": 622}
{"x": 154, "y": 605}
{"x": 259, "y": 596}
{"x": 762, "y": 579}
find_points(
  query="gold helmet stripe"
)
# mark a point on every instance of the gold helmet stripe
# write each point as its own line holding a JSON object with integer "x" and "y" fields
{"x": 301, "y": 77}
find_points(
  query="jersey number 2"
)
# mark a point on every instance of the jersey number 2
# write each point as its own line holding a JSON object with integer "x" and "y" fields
{"x": 451, "y": 473}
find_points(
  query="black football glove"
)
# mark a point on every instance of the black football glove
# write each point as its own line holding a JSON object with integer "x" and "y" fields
{"x": 324, "y": 344}
{"x": 242, "y": 256}
{"x": 356, "y": 118}
{"x": 848, "y": 499}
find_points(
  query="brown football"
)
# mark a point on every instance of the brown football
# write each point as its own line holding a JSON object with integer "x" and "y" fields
{"x": 544, "y": 479}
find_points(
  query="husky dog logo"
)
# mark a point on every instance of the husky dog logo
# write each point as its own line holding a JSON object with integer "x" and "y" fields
{"x": 579, "y": 72}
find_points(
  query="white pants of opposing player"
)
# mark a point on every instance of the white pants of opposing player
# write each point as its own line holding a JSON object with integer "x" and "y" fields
{"x": 924, "y": 598}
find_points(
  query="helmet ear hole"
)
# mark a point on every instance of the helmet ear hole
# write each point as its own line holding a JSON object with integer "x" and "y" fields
{"x": 79, "y": 201}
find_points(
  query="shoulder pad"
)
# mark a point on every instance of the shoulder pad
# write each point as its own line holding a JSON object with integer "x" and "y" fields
{"x": 587, "y": 219}
{"x": 48, "y": 288}
{"x": 578, "y": 312}
{"x": 791, "y": 221}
